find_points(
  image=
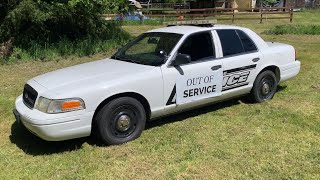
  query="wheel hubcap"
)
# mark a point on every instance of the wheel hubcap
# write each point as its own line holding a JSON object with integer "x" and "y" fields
{"x": 123, "y": 123}
{"x": 265, "y": 89}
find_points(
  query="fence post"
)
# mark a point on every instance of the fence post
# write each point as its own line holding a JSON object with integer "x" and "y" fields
{"x": 261, "y": 16}
{"x": 291, "y": 14}
{"x": 232, "y": 15}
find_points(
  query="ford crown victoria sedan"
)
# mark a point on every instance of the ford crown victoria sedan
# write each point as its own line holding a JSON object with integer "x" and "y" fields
{"x": 161, "y": 72}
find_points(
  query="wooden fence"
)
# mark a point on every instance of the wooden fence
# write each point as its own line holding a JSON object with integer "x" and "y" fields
{"x": 231, "y": 14}
{"x": 167, "y": 6}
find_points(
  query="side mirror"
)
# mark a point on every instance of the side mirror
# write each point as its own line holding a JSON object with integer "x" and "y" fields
{"x": 181, "y": 59}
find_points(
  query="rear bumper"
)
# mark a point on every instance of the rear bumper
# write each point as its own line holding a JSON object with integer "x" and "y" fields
{"x": 62, "y": 128}
{"x": 290, "y": 71}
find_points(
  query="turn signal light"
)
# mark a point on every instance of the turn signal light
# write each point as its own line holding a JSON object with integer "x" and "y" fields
{"x": 70, "y": 105}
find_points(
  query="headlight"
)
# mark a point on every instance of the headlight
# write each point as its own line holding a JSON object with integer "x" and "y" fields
{"x": 59, "y": 106}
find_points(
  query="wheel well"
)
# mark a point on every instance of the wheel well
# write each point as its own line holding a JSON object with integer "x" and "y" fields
{"x": 137, "y": 96}
{"x": 274, "y": 69}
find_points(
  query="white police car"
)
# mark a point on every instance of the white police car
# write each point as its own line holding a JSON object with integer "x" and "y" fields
{"x": 161, "y": 72}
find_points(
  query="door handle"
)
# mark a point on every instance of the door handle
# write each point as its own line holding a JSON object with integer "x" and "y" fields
{"x": 256, "y": 59}
{"x": 214, "y": 68}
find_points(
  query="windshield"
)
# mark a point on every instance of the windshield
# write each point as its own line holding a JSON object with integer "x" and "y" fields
{"x": 149, "y": 48}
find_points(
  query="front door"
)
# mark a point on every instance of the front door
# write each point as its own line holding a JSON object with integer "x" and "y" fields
{"x": 197, "y": 82}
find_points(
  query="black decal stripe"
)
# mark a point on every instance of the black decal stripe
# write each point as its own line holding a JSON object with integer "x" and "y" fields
{"x": 241, "y": 68}
{"x": 236, "y": 86}
{"x": 173, "y": 93}
{"x": 236, "y": 72}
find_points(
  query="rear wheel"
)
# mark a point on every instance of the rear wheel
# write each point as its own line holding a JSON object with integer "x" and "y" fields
{"x": 264, "y": 87}
{"x": 120, "y": 121}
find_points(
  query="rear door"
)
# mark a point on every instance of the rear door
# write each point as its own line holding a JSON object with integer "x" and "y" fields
{"x": 240, "y": 60}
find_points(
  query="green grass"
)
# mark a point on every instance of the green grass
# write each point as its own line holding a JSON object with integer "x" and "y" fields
{"x": 65, "y": 48}
{"x": 62, "y": 49}
{"x": 294, "y": 29}
{"x": 149, "y": 22}
{"x": 279, "y": 139}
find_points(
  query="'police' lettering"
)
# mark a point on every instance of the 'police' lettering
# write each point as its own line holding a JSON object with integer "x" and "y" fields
{"x": 235, "y": 79}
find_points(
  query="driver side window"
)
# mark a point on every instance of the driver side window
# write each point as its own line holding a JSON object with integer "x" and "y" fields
{"x": 198, "y": 46}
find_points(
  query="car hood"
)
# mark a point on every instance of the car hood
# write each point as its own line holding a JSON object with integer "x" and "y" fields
{"x": 109, "y": 69}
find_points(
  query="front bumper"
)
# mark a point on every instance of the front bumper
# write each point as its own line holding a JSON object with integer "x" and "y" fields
{"x": 54, "y": 127}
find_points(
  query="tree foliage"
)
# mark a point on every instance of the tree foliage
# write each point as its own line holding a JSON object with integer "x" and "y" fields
{"x": 52, "y": 20}
{"x": 117, "y": 6}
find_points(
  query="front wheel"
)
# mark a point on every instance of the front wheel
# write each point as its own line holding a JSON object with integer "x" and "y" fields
{"x": 264, "y": 87}
{"x": 121, "y": 120}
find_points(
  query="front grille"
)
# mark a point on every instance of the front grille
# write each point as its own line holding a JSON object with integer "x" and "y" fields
{"x": 29, "y": 96}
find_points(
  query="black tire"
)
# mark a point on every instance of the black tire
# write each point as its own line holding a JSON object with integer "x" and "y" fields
{"x": 264, "y": 87}
{"x": 121, "y": 120}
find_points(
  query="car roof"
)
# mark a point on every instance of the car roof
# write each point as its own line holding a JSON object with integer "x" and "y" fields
{"x": 185, "y": 29}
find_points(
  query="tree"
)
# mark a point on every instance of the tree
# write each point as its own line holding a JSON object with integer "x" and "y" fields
{"x": 52, "y": 20}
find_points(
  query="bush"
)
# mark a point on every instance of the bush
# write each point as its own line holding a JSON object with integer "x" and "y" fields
{"x": 65, "y": 26}
{"x": 49, "y": 21}
{"x": 294, "y": 29}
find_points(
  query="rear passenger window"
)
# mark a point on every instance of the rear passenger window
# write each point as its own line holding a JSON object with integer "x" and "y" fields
{"x": 230, "y": 42}
{"x": 235, "y": 42}
{"x": 247, "y": 43}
